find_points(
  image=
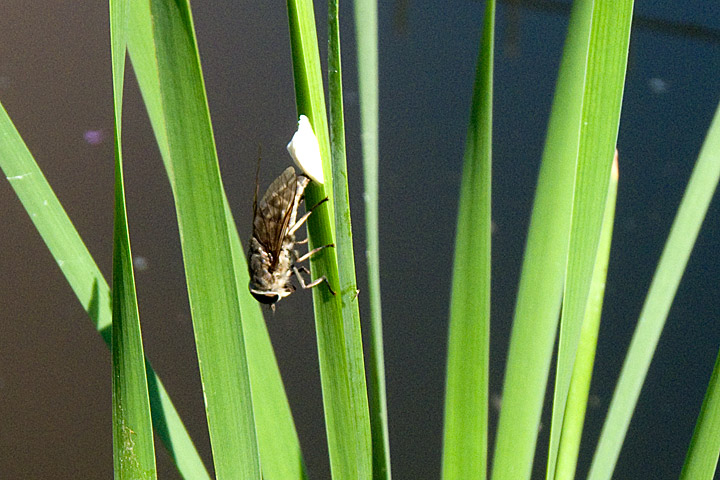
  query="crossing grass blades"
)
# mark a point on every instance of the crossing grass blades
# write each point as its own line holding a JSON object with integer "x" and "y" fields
{"x": 272, "y": 258}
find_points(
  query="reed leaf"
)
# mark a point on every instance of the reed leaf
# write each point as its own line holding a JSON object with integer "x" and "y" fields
{"x": 466, "y": 393}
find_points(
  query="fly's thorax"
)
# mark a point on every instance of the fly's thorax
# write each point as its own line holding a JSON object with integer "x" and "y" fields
{"x": 302, "y": 182}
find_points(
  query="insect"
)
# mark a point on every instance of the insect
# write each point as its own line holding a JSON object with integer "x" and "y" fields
{"x": 272, "y": 256}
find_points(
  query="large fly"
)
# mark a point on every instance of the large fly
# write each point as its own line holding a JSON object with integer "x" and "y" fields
{"x": 272, "y": 258}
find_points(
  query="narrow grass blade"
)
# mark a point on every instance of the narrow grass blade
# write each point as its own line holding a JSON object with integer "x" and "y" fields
{"x": 702, "y": 457}
{"x": 87, "y": 282}
{"x": 309, "y": 94}
{"x": 133, "y": 447}
{"x": 348, "y": 292}
{"x": 602, "y": 99}
{"x": 200, "y": 206}
{"x": 54, "y": 226}
{"x": 543, "y": 272}
{"x": 466, "y": 391}
{"x": 673, "y": 260}
{"x": 582, "y": 373}
{"x": 277, "y": 438}
{"x": 366, "y": 39}
{"x": 342, "y": 370}
{"x": 280, "y": 455}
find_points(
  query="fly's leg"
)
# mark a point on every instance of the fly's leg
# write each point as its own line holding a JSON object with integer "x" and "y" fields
{"x": 313, "y": 252}
{"x": 304, "y": 218}
{"x": 297, "y": 269}
{"x": 318, "y": 203}
{"x": 302, "y": 242}
{"x": 314, "y": 283}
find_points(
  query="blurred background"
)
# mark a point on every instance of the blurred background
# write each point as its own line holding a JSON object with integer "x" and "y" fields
{"x": 55, "y": 83}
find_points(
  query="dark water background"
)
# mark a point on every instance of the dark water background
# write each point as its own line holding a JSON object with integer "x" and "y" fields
{"x": 55, "y": 84}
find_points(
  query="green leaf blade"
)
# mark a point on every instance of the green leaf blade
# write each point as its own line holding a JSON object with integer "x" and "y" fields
{"x": 702, "y": 456}
{"x": 199, "y": 200}
{"x": 280, "y": 455}
{"x": 600, "y": 119}
{"x": 582, "y": 372}
{"x": 466, "y": 397}
{"x": 683, "y": 233}
{"x": 543, "y": 272}
{"x": 87, "y": 282}
{"x": 348, "y": 291}
{"x": 279, "y": 446}
{"x": 342, "y": 371}
{"x": 133, "y": 447}
{"x": 366, "y": 33}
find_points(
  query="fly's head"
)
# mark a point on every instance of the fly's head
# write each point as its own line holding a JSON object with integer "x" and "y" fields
{"x": 269, "y": 279}
{"x": 268, "y": 297}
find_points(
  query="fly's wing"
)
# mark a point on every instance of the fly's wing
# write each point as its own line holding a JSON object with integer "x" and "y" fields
{"x": 273, "y": 212}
